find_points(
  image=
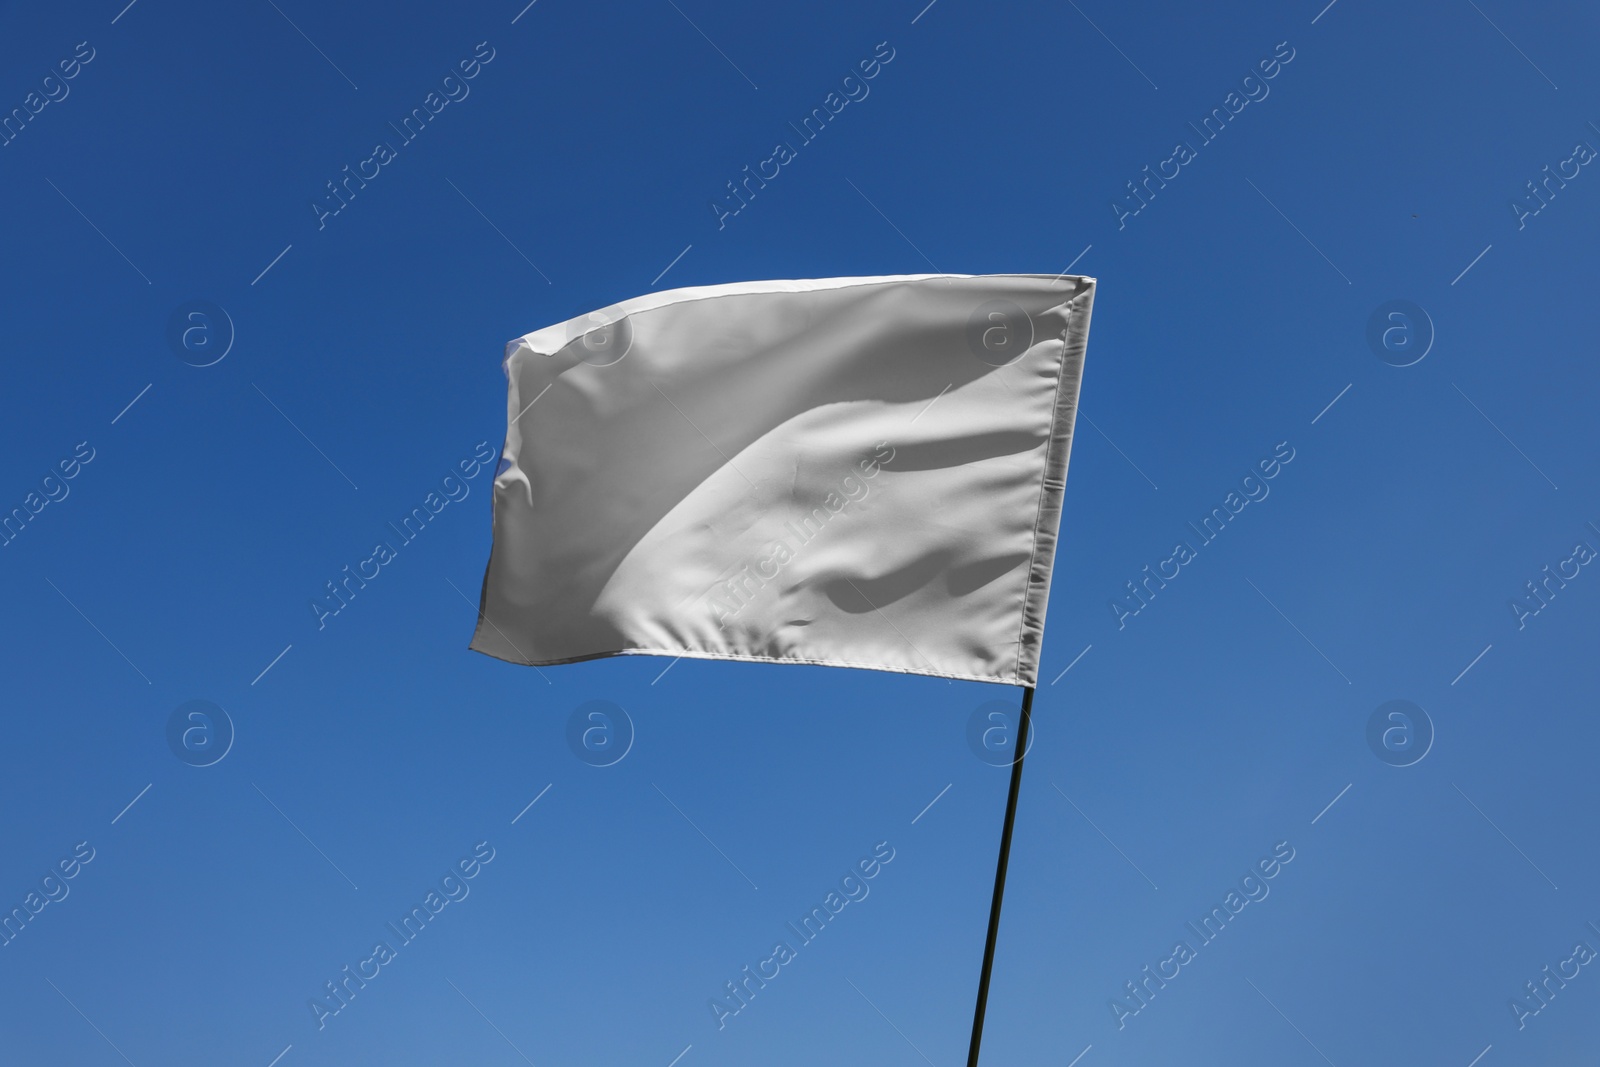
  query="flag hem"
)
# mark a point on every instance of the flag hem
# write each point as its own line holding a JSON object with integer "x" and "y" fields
{"x": 1053, "y": 485}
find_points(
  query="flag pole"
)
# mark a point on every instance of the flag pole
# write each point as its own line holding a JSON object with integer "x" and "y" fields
{"x": 1000, "y": 876}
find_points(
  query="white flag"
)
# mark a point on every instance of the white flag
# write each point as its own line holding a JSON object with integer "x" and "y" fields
{"x": 853, "y": 472}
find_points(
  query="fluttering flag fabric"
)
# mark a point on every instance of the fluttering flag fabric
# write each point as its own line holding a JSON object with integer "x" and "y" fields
{"x": 853, "y": 472}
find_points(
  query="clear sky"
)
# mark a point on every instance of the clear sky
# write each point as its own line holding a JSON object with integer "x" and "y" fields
{"x": 170, "y": 159}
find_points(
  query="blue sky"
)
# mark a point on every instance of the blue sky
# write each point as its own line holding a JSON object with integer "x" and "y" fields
{"x": 184, "y": 160}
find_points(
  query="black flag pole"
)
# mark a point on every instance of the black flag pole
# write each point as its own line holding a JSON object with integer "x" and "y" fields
{"x": 1000, "y": 876}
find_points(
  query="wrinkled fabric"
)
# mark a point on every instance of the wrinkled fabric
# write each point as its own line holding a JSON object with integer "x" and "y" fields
{"x": 854, "y": 472}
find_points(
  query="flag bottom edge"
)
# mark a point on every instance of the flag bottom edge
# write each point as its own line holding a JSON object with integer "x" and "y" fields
{"x": 734, "y": 657}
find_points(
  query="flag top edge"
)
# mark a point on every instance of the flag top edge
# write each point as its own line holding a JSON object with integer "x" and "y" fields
{"x": 688, "y": 294}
